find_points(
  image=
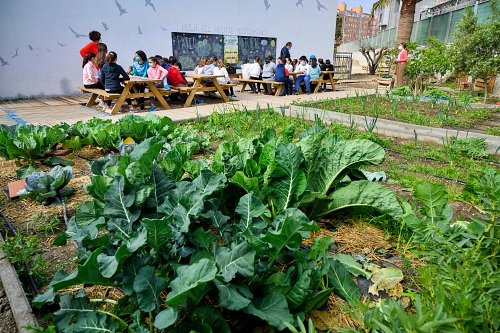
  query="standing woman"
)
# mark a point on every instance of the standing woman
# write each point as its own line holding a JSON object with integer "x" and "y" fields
{"x": 111, "y": 76}
{"x": 140, "y": 68}
{"x": 401, "y": 61}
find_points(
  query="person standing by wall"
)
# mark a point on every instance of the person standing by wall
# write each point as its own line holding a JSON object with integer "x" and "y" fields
{"x": 401, "y": 61}
{"x": 92, "y": 47}
{"x": 285, "y": 51}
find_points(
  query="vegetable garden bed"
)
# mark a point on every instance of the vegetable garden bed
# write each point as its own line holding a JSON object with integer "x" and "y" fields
{"x": 224, "y": 240}
{"x": 431, "y": 112}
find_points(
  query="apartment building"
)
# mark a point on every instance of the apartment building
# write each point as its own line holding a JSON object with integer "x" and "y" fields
{"x": 356, "y": 24}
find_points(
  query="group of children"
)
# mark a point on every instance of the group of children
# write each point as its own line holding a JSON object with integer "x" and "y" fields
{"x": 269, "y": 71}
{"x": 100, "y": 70}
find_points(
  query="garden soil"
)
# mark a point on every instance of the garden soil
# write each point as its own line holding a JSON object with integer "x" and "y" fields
{"x": 7, "y": 322}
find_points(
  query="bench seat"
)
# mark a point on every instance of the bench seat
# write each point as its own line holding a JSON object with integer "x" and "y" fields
{"x": 278, "y": 85}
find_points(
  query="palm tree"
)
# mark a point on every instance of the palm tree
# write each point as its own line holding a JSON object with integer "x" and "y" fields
{"x": 405, "y": 24}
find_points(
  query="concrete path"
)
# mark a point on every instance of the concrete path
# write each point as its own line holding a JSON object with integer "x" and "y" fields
{"x": 51, "y": 111}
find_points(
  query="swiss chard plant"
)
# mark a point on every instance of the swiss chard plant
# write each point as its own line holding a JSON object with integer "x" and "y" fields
{"x": 319, "y": 174}
{"x": 184, "y": 261}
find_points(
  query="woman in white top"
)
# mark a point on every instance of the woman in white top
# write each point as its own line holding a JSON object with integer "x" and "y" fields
{"x": 289, "y": 67}
{"x": 221, "y": 70}
{"x": 255, "y": 71}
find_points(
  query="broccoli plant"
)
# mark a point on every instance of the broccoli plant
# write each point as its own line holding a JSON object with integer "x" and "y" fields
{"x": 45, "y": 187}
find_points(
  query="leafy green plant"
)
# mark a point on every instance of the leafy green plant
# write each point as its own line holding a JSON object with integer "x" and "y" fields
{"x": 26, "y": 256}
{"x": 436, "y": 93}
{"x": 401, "y": 91}
{"x": 185, "y": 257}
{"x": 45, "y": 187}
{"x": 29, "y": 142}
{"x": 318, "y": 174}
{"x": 462, "y": 274}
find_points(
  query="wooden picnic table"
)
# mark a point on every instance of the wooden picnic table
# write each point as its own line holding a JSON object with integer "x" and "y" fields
{"x": 202, "y": 84}
{"x": 322, "y": 79}
{"x": 130, "y": 91}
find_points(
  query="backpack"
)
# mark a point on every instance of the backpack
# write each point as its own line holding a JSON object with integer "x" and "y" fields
{"x": 287, "y": 74}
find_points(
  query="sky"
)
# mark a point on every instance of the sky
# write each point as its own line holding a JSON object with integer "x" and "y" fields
{"x": 366, "y": 4}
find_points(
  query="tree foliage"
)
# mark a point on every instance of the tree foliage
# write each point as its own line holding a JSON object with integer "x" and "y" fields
{"x": 476, "y": 50}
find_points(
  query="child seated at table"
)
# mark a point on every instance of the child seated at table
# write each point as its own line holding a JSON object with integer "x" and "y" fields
{"x": 201, "y": 64}
{"x": 255, "y": 71}
{"x": 245, "y": 69}
{"x": 282, "y": 76}
{"x": 221, "y": 70}
{"x": 155, "y": 71}
{"x": 314, "y": 70}
{"x": 111, "y": 76}
{"x": 303, "y": 70}
{"x": 140, "y": 68}
{"x": 328, "y": 67}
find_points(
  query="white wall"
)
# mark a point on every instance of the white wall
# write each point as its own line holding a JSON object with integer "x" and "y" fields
{"x": 52, "y": 66}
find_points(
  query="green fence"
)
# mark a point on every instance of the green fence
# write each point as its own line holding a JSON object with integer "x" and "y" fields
{"x": 441, "y": 26}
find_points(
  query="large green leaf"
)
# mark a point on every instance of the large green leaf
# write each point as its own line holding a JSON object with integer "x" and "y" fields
{"x": 342, "y": 283}
{"x": 95, "y": 323}
{"x": 166, "y": 318}
{"x": 297, "y": 295}
{"x": 359, "y": 193}
{"x": 161, "y": 185}
{"x": 232, "y": 296}
{"x": 188, "y": 278}
{"x": 208, "y": 182}
{"x": 88, "y": 273}
{"x": 346, "y": 155}
{"x": 108, "y": 265}
{"x": 148, "y": 287}
{"x": 250, "y": 185}
{"x": 249, "y": 207}
{"x": 310, "y": 147}
{"x": 288, "y": 181}
{"x": 288, "y": 230}
{"x": 98, "y": 187}
{"x": 119, "y": 202}
{"x": 273, "y": 308}
{"x": 351, "y": 265}
{"x": 434, "y": 197}
{"x": 237, "y": 260}
{"x": 141, "y": 158}
{"x": 158, "y": 232}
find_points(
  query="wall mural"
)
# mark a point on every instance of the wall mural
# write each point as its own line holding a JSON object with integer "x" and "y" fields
{"x": 232, "y": 42}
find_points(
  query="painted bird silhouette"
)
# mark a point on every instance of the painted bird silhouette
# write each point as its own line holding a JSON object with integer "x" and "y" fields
{"x": 120, "y": 8}
{"x": 299, "y": 2}
{"x": 320, "y": 5}
{"x": 162, "y": 28}
{"x": 140, "y": 31}
{"x": 77, "y": 35}
{"x": 31, "y": 49}
{"x": 266, "y": 3}
{"x": 105, "y": 26}
{"x": 15, "y": 55}
{"x": 4, "y": 63}
{"x": 62, "y": 45}
{"x": 149, "y": 3}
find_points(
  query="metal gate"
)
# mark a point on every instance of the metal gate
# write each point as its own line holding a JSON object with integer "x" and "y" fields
{"x": 342, "y": 65}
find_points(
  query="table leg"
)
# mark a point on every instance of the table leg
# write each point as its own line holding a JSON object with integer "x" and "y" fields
{"x": 278, "y": 90}
{"x": 220, "y": 90}
{"x": 332, "y": 82}
{"x": 158, "y": 95}
{"x": 316, "y": 89}
{"x": 122, "y": 98}
{"x": 91, "y": 100}
{"x": 190, "y": 98}
{"x": 243, "y": 87}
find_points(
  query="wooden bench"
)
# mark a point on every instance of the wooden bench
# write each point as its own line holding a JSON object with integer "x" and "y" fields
{"x": 96, "y": 92}
{"x": 278, "y": 85}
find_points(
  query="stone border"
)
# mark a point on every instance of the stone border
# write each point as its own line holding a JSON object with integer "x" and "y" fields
{"x": 394, "y": 128}
{"x": 19, "y": 305}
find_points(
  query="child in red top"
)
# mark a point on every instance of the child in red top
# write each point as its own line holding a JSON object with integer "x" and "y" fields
{"x": 175, "y": 77}
{"x": 95, "y": 37}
